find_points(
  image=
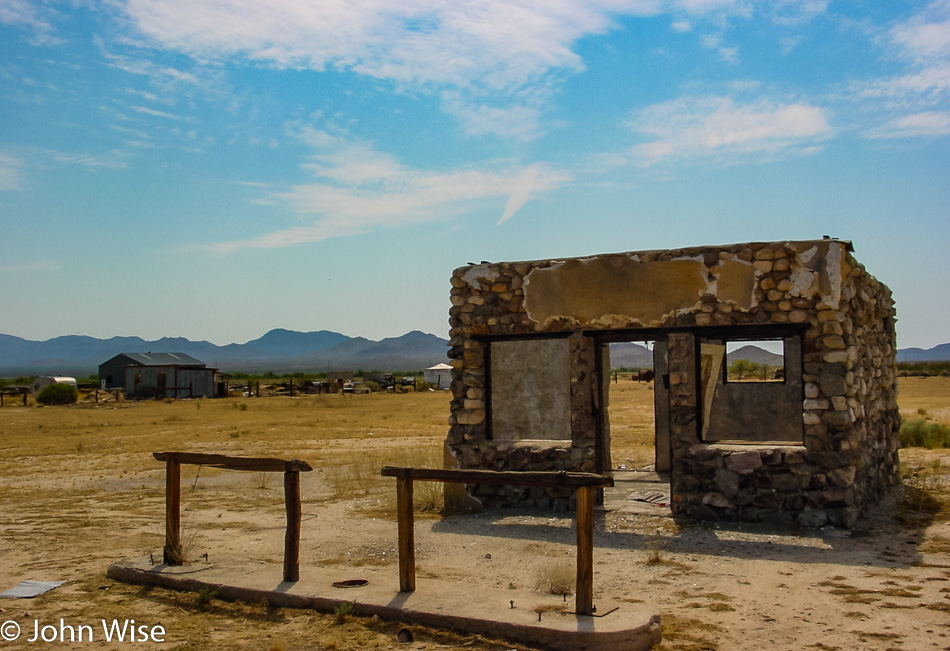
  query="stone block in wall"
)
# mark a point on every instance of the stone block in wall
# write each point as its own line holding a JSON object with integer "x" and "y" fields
{"x": 743, "y": 462}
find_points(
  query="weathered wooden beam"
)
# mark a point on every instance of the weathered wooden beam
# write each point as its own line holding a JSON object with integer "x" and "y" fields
{"x": 584, "y": 586}
{"x": 292, "y": 536}
{"x": 407, "y": 545}
{"x": 172, "y": 553}
{"x": 501, "y": 478}
{"x": 255, "y": 464}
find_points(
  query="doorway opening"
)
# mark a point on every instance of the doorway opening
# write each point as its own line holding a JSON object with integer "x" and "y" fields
{"x": 634, "y": 432}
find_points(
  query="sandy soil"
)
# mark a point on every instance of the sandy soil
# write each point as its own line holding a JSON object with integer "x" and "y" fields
{"x": 883, "y": 586}
{"x": 880, "y": 586}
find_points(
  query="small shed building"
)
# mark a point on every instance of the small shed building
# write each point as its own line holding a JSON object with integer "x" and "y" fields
{"x": 439, "y": 375}
{"x": 160, "y": 375}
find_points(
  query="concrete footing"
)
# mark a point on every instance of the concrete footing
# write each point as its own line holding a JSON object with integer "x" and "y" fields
{"x": 517, "y": 615}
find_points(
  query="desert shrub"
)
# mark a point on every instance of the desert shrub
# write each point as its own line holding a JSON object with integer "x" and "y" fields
{"x": 555, "y": 577}
{"x": 919, "y": 433}
{"x": 58, "y": 394}
{"x": 742, "y": 367}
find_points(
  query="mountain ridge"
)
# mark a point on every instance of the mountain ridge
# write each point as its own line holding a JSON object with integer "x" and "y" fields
{"x": 278, "y": 350}
{"x": 283, "y": 350}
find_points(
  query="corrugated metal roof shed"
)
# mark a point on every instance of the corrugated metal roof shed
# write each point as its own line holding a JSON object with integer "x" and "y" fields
{"x": 163, "y": 359}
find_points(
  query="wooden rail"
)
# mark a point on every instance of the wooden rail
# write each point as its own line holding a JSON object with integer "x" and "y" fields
{"x": 172, "y": 554}
{"x": 24, "y": 392}
{"x": 584, "y": 483}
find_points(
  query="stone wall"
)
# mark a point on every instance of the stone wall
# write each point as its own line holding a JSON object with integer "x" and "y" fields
{"x": 814, "y": 290}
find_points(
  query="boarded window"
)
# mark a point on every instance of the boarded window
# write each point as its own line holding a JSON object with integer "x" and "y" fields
{"x": 530, "y": 389}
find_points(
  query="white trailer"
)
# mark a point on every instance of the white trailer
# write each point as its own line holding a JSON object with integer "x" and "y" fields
{"x": 40, "y": 383}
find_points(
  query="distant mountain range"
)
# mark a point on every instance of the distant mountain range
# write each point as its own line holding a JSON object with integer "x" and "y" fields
{"x": 285, "y": 351}
{"x": 939, "y": 353}
{"x": 279, "y": 350}
{"x": 632, "y": 355}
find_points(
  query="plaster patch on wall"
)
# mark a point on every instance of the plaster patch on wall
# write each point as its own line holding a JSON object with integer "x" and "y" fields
{"x": 805, "y": 257}
{"x": 616, "y": 288}
{"x": 804, "y": 283}
{"x": 834, "y": 262}
{"x": 479, "y": 272}
{"x": 736, "y": 284}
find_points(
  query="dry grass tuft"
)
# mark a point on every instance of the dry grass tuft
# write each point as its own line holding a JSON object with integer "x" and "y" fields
{"x": 556, "y": 577}
{"x": 687, "y": 634}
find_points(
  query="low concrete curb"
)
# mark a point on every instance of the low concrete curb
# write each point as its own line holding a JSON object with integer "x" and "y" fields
{"x": 436, "y": 604}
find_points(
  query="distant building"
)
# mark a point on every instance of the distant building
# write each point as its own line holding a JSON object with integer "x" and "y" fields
{"x": 161, "y": 375}
{"x": 439, "y": 375}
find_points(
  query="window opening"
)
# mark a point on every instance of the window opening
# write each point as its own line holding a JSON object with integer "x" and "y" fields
{"x": 755, "y": 360}
{"x": 751, "y": 389}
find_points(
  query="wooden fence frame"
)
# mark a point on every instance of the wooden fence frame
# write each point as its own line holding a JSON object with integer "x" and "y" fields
{"x": 172, "y": 553}
{"x": 24, "y": 392}
{"x": 584, "y": 483}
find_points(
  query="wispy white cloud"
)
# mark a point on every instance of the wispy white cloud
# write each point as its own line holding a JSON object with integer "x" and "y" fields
{"x": 537, "y": 178}
{"x": 11, "y": 176}
{"x": 512, "y": 120}
{"x": 358, "y": 189}
{"x": 22, "y": 13}
{"x": 926, "y": 124}
{"x": 473, "y": 50}
{"x": 113, "y": 160}
{"x": 925, "y": 36}
{"x": 31, "y": 267}
{"x": 714, "y": 42}
{"x": 155, "y": 113}
{"x": 165, "y": 78}
{"x": 910, "y": 103}
{"x": 717, "y": 128}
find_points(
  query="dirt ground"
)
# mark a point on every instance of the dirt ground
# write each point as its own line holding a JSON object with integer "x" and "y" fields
{"x": 79, "y": 490}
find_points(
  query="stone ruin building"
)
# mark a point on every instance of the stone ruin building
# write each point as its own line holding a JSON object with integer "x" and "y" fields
{"x": 530, "y": 355}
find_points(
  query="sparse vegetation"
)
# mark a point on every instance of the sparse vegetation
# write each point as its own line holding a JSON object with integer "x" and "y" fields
{"x": 742, "y": 368}
{"x": 556, "y": 577}
{"x": 58, "y": 394}
{"x": 921, "y": 433}
{"x": 924, "y": 369}
{"x": 114, "y": 479}
{"x": 921, "y": 496}
{"x": 343, "y": 611}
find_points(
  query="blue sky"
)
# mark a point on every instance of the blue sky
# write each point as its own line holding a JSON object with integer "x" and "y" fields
{"x": 213, "y": 170}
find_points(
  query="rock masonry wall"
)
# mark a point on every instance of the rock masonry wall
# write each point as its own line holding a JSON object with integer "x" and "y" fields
{"x": 846, "y": 320}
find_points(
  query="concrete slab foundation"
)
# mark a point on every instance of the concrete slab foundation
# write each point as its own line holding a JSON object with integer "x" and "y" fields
{"x": 508, "y": 614}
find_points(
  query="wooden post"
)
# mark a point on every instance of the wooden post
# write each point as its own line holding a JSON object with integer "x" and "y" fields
{"x": 172, "y": 553}
{"x": 407, "y": 546}
{"x": 584, "y": 588}
{"x": 292, "y": 537}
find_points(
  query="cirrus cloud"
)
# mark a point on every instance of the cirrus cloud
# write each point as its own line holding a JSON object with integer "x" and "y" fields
{"x": 357, "y": 189}
{"x": 713, "y": 127}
